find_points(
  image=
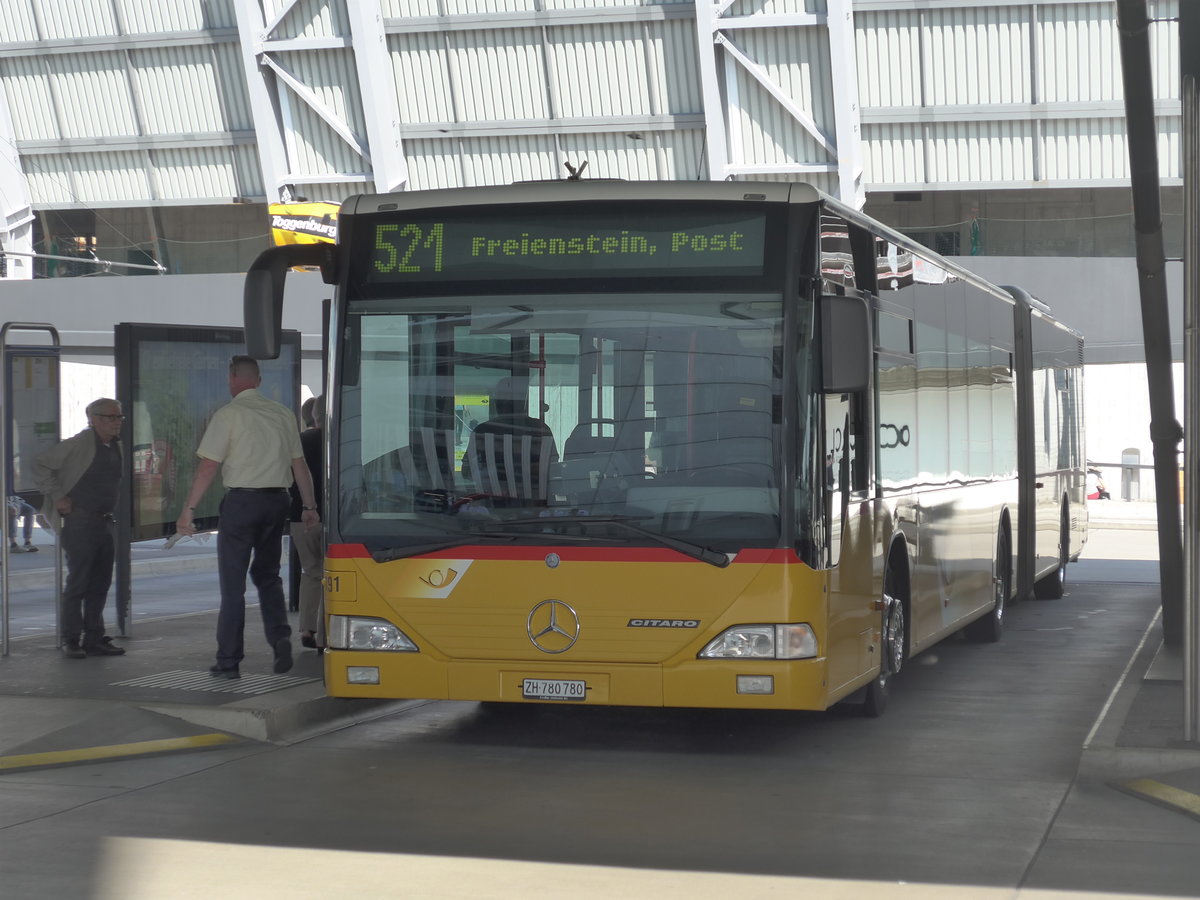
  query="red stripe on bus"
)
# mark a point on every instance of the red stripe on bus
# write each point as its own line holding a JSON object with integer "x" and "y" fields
{"x": 579, "y": 554}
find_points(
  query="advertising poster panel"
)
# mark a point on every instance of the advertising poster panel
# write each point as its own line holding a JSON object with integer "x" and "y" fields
{"x": 33, "y": 386}
{"x": 171, "y": 379}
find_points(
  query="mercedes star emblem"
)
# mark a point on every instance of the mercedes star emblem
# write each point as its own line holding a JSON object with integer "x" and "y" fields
{"x": 553, "y": 626}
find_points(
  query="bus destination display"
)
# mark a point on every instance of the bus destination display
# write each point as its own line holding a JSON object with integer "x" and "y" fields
{"x": 581, "y": 246}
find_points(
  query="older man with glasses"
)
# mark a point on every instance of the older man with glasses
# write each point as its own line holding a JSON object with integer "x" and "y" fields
{"x": 79, "y": 478}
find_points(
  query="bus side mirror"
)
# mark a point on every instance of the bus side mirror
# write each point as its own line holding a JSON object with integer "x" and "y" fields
{"x": 846, "y": 354}
{"x": 262, "y": 295}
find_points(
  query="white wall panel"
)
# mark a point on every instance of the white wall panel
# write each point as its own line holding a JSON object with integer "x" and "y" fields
{"x": 200, "y": 173}
{"x": 503, "y": 160}
{"x": 248, "y": 171}
{"x": 599, "y": 70}
{"x": 893, "y": 154}
{"x": 961, "y": 151}
{"x": 1164, "y": 46}
{"x": 644, "y": 156}
{"x": 66, "y": 19}
{"x": 610, "y": 4}
{"x": 1083, "y": 149}
{"x": 92, "y": 94}
{"x": 433, "y": 163}
{"x": 179, "y": 90}
{"x": 977, "y": 54}
{"x": 422, "y": 74}
{"x": 673, "y": 48}
{"x": 889, "y": 58}
{"x": 1079, "y": 45}
{"x": 501, "y": 74}
{"x": 153, "y": 16}
{"x": 408, "y": 8}
{"x": 17, "y": 22}
{"x": 30, "y": 102}
{"x": 51, "y": 182}
{"x": 90, "y": 179}
{"x": 234, "y": 96}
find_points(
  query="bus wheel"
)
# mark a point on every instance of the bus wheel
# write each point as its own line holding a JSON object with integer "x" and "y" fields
{"x": 1051, "y": 587}
{"x": 988, "y": 629}
{"x": 891, "y": 651}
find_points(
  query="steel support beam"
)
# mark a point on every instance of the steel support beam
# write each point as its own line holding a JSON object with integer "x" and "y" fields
{"x": 1189, "y": 47}
{"x": 16, "y": 207}
{"x": 720, "y": 58}
{"x": 1165, "y": 432}
{"x": 381, "y": 105}
{"x": 843, "y": 68}
{"x": 268, "y": 124}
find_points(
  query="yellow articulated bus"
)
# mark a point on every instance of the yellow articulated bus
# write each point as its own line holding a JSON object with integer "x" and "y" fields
{"x": 728, "y": 445}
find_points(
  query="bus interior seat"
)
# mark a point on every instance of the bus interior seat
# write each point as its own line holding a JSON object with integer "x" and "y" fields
{"x": 511, "y": 466}
{"x": 595, "y": 465}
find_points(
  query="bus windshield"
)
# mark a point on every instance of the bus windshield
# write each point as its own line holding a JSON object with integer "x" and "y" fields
{"x": 463, "y": 418}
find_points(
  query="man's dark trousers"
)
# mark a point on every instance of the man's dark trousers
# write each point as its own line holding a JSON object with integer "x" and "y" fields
{"x": 250, "y": 536}
{"x": 87, "y": 540}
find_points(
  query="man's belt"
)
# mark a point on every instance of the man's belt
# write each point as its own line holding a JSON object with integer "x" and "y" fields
{"x": 261, "y": 490}
{"x": 106, "y": 516}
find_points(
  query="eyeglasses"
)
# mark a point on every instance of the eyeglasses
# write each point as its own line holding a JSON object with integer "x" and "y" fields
{"x": 107, "y": 416}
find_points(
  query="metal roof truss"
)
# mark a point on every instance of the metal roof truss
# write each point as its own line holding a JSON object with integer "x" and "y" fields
{"x": 725, "y": 107}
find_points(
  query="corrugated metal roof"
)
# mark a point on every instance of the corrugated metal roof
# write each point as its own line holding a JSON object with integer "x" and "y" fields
{"x": 500, "y": 90}
{"x": 91, "y": 94}
{"x": 180, "y": 89}
{"x": 66, "y": 19}
{"x": 17, "y": 22}
{"x": 153, "y": 16}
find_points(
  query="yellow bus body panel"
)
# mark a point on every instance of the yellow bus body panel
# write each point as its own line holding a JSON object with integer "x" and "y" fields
{"x": 470, "y": 618}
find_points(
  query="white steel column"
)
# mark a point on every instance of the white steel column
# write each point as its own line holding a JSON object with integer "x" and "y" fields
{"x": 377, "y": 86}
{"x": 252, "y": 32}
{"x": 16, "y": 209}
{"x": 716, "y": 140}
{"x": 843, "y": 66}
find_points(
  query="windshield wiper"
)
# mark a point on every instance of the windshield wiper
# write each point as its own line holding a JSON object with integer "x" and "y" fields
{"x": 481, "y": 536}
{"x": 392, "y": 553}
{"x": 625, "y": 523}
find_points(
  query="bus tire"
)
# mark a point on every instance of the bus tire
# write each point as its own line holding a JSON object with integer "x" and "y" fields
{"x": 891, "y": 652}
{"x": 987, "y": 630}
{"x": 1051, "y": 587}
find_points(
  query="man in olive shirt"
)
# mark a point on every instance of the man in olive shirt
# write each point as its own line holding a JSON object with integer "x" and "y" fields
{"x": 256, "y": 444}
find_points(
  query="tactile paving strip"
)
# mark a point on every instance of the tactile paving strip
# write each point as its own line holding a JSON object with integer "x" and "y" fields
{"x": 182, "y": 680}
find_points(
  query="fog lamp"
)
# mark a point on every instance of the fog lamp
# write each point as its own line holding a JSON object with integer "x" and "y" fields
{"x": 756, "y": 684}
{"x": 362, "y": 674}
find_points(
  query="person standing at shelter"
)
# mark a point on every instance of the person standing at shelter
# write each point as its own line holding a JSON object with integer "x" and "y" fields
{"x": 18, "y": 508}
{"x": 254, "y": 441}
{"x": 307, "y": 541}
{"x": 79, "y": 478}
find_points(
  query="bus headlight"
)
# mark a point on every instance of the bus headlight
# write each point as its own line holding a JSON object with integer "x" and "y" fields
{"x": 362, "y": 633}
{"x": 763, "y": 642}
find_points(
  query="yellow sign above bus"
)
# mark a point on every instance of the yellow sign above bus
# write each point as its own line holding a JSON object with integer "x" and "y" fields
{"x": 303, "y": 223}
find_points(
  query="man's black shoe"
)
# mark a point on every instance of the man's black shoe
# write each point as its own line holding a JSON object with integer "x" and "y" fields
{"x": 104, "y": 648}
{"x": 218, "y": 672}
{"x": 72, "y": 650}
{"x": 283, "y": 655}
